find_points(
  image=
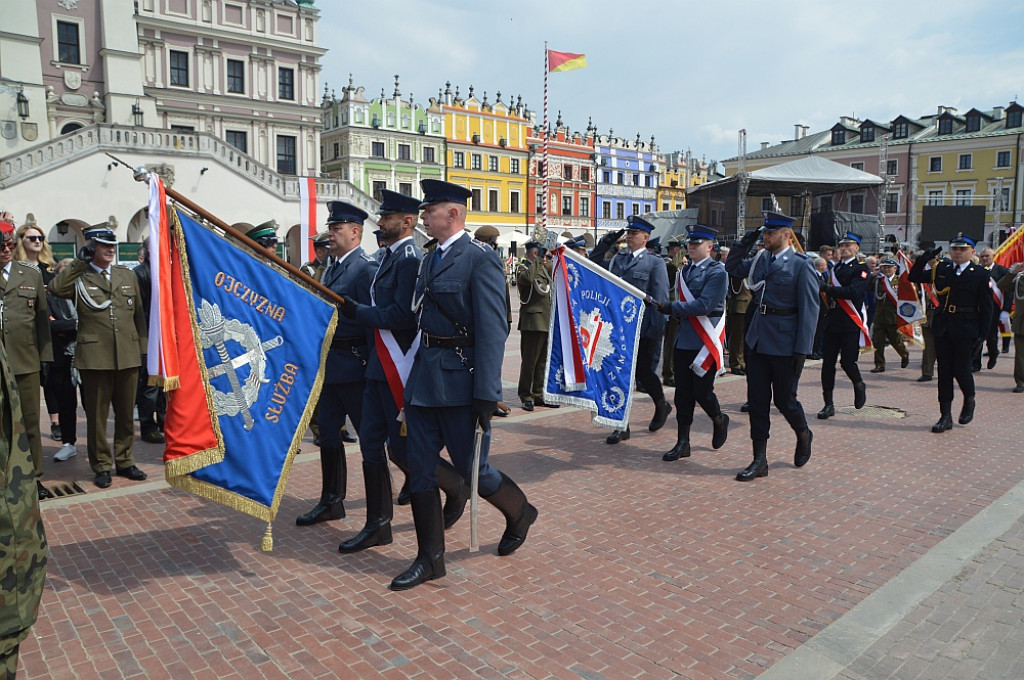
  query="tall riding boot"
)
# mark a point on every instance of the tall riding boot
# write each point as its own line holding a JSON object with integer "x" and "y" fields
{"x": 721, "y": 431}
{"x": 377, "y": 531}
{"x": 519, "y": 514}
{"x": 682, "y": 447}
{"x": 334, "y": 471}
{"x": 758, "y": 468}
{"x": 429, "y": 522}
{"x": 946, "y": 419}
{"x": 967, "y": 412}
{"x": 456, "y": 491}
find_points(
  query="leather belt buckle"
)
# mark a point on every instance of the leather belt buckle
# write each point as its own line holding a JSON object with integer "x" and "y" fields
{"x": 951, "y": 309}
{"x": 763, "y": 309}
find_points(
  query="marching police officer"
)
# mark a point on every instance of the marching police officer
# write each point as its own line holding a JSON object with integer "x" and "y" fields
{"x": 885, "y": 327}
{"x": 455, "y": 382}
{"x": 344, "y": 375}
{"x": 844, "y": 325}
{"x": 395, "y": 341}
{"x": 961, "y": 319}
{"x": 533, "y": 280}
{"x": 648, "y": 273}
{"x": 25, "y": 333}
{"x": 779, "y": 335}
{"x": 111, "y": 340}
{"x": 700, "y": 305}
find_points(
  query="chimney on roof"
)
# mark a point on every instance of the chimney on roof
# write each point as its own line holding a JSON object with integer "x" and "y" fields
{"x": 849, "y": 121}
{"x": 997, "y": 113}
{"x": 945, "y": 109}
{"x": 798, "y": 132}
{"x": 765, "y": 145}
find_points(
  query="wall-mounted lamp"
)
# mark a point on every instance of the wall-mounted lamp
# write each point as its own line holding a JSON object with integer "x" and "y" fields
{"x": 22, "y": 104}
{"x": 137, "y": 113}
{"x": 62, "y": 226}
{"x": 203, "y": 171}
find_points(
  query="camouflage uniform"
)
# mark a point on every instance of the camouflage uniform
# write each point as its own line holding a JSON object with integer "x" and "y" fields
{"x": 23, "y": 550}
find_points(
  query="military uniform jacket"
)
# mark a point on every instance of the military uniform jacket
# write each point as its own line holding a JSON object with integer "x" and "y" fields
{"x": 1012, "y": 286}
{"x": 26, "y": 321}
{"x": 110, "y": 339}
{"x": 965, "y": 301}
{"x": 534, "y": 282}
{"x": 315, "y": 268}
{"x": 853, "y": 279}
{"x": 461, "y": 295}
{"x": 648, "y": 273}
{"x": 23, "y": 551}
{"x": 885, "y": 309}
{"x": 790, "y": 283}
{"x": 392, "y": 303}
{"x": 738, "y": 296}
{"x": 349, "y": 355}
{"x": 707, "y": 282}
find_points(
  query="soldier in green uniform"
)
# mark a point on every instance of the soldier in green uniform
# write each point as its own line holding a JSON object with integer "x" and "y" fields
{"x": 265, "y": 235}
{"x": 25, "y": 334}
{"x": 885, "y": 327}
{"x": 23, "y": 550}
{"x": 111, "y": 339}
{"x": 315, "y": 268}
{"x": 533, "y": 280}
{"x": 1013, "y": 284}
{"x": 737, "y": 300}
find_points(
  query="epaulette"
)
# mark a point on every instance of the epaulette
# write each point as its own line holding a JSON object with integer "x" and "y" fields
{"x": 802, "y": 256}
{"x": 481, "y": 245}
{"x": 30, "y": 265}
{"x": 127, "y": 268}
{"x": 367, "y": 258}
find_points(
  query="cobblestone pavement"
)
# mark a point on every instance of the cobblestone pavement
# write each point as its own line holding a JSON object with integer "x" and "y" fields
{"x": 895, "y": 553}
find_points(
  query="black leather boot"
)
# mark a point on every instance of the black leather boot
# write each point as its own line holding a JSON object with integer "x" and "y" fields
{"x": 828, "y": 410}
{"x": 519, "y": 514}
{"x": 429, "y": 522}
{"x": 377, "y": 530}
{"x": 967, "y": 412}
{"x": 661, "y": 411}
{"x": 758, "y": 468}
{"x": 335, "y": 473}
{"x": 860, "y": 394}
{"x": 946, "y": 417}
{"x": 682, "y": 447}
{"x": 403, "y": 493}
{"x": 456, "y": 492}
{"x": 721, "y": 431}
{"x": 803, "y": 447}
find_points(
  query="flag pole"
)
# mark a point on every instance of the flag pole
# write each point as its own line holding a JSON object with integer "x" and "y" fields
{"x": 542, "y": 228}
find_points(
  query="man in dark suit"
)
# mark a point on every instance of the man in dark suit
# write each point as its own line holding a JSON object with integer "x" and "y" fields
{"x": 390, "y": 318}
{"x": 647, "y": 272}
{"x": 845, "y": 328}
{"x": 779, "y": 335}
{"x": 344, "y": 375}
{"x": 699, "y": 306}
{"x": 455, "y": 382}
{"x": 961, "y": 319}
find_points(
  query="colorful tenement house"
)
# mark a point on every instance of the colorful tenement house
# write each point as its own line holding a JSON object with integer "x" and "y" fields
{"x": 627, "y": 179}
{"x": 387, "y": 143}
{"x": 487, "y": 153}
{"x": 571, "y": 179}
{"x": 680, "y": 171}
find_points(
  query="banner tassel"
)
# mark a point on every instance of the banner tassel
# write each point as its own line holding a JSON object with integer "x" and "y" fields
{"x": 267, "y": 544}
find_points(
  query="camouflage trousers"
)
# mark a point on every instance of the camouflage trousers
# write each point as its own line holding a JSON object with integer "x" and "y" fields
{"x": 9, "y": 664}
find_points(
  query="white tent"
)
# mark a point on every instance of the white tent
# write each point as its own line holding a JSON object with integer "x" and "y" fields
{"x": 505, "y": 240}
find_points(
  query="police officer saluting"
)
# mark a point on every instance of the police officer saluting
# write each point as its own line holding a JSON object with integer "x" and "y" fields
{"x": 701, "y": 289}
{"x": 344, "y": 375}
{"x": 844, "y": 325}
{"x": 455, "y": 382}
{"x": 393, "y": 324}
{"x": 961, "y": 319}
{"x": 779, "y": 335}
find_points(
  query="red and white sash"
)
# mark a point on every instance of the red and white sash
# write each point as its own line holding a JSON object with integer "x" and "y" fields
{"x": 395, "y": 362}
{"x": 858, "y": 317}
{"x": 711, "y": 355}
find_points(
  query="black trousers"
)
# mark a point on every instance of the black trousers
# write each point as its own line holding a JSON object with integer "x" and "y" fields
{"x": 769, "y": 376}
{"x": 692, "y": 389}
{"x": 338, "y": 400}
{"x": 59, "y": 384}
{"x": 846, "y": 348}
{"x": 151, "y": 402}
{"x": 954, "y": 358}
{"x": 646, "y": 354}
{"x": 991, "y": 341}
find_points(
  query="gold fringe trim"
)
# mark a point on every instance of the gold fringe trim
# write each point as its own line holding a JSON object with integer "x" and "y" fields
{"x": 267, "y": 544}
{"x": 172, "y": 384}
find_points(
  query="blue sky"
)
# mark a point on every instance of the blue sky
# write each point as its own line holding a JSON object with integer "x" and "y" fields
{"x": 691, "y": 74}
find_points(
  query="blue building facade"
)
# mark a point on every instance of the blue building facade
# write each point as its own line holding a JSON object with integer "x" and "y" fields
{"x": 627, "y": 179}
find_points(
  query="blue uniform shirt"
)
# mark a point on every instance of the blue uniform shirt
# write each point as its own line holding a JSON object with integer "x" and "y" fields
{"x": 707, "y": 282}
{"x": 647, "y": 272}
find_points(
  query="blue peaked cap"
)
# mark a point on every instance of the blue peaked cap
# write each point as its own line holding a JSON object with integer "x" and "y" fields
{"x": 774, "y": 220}
{"x": 962, "y": 239}
{"x": 436, "y": 191}
{"x": 340, "y": 211}
{"x": 394, "y": 202}
{"x": 635, "y": 222}
{"x": 701, "y": 232}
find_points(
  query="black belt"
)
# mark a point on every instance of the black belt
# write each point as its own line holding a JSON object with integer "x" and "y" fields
{"x": 349, "y": 342}
{"x": 446, "y": 343}
{"x": 954, "y": 309}
{"x": 781, "y": 311}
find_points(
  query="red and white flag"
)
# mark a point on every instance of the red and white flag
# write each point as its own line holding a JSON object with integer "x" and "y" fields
{"x": 307, "y": 212}
{"x": 908, "y": 305}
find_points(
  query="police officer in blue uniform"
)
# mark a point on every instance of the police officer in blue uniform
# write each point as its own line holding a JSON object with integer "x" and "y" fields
{"x": 840, "y": 333}
{"x": 455, "y": 382}
{"x": 648, "y": 272}
{"x": 390, "y": 316}
{"x": 961, "y": 320}
{"x": 349, "y": 275}
{"x": 707, "y": 282}
{"x": 779, "y": 335}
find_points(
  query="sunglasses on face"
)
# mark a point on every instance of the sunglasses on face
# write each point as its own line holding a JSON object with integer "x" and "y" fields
{"x": 35, "y": 238}
{"x": 7, "y": 245}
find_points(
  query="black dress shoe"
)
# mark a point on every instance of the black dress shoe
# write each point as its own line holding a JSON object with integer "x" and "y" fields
{"x": 1018, "y": 389}
{"x": 827, "y": 411}
{"x": 877, "y": 369}
{"x": 738, "y": 371}
{"x": 992, "y": 361}
{"x": 541, "y": 402}
{"x": 945, "y": 423}
{"x": 500, "y": 413}
{"x": 661, "y": 412}
{"x": 680, "y": 450}
{"x": 618, "y": 436}
{"x": 860, "y": 395}
{"x": 967, "y": 412}
{"x": 721, "y": 431}
{"x": 154, "y": 437}
{"x": 669, "y": 382}
{"x": 924, "y": 378}
{"x": 745, "y": 407}
{"x": 102, "y": 479}
{"x": 905, "y": 361}
{"x": 42, "y": 491}
{"x": 527, "y": 405}
{"x": 803, "y": 448}
{"x": 133, "y": 473}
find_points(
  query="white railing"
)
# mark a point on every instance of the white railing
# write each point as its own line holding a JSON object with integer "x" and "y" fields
{"x": 167, "y": 144}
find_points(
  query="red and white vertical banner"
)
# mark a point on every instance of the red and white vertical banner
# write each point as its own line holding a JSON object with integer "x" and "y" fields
{"x": 307, "y": 212}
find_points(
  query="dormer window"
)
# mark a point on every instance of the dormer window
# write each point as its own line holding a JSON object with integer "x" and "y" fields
{"x": 973, "y": 123}
{"x": 900, "y": 130}
{"x": 945, "y": 126}
{"x": 1013, "y": 118}
{"x": 867, "y": 134}
{"x": 838, "y": 137}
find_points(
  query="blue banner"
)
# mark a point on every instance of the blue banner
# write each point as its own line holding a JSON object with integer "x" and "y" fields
{"x": 595, "y": 331}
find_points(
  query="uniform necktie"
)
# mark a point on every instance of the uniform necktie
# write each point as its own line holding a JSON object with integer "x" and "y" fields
{"x": 438, "y": 254}
{"x": 3, "y": 284}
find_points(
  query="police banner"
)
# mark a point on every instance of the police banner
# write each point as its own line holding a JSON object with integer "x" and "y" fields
{"x": 595, "y": 331}
{"x": 248, "y": 378}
